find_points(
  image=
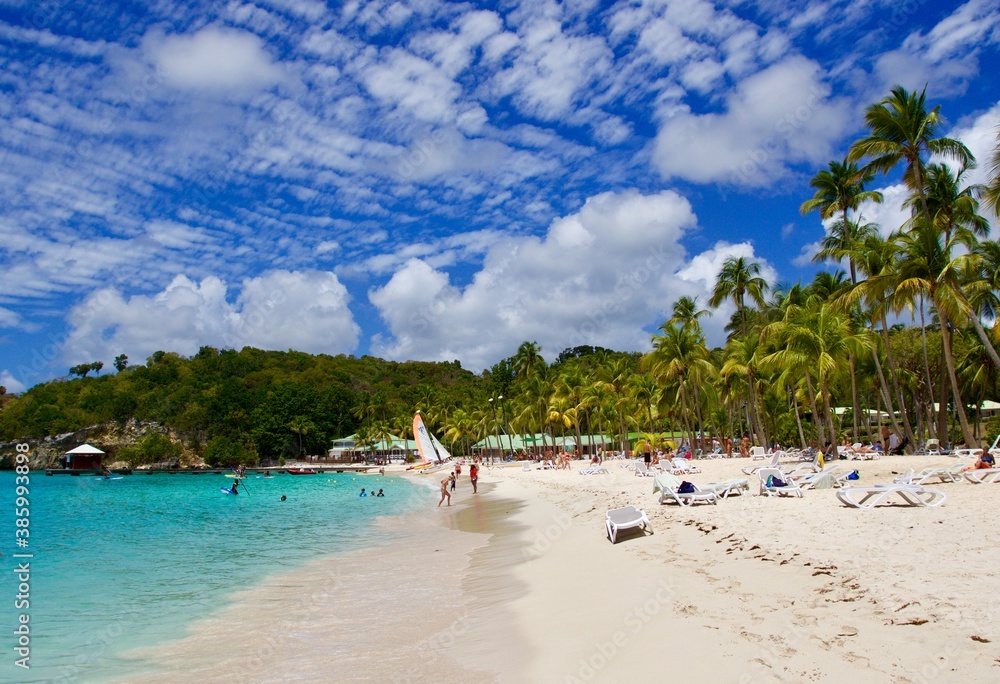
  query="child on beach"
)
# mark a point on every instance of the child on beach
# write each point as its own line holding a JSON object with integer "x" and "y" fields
{"x": 454, "y": 480}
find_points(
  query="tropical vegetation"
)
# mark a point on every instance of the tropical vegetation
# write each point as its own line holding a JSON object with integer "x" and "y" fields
{"x": 903, "y": 337}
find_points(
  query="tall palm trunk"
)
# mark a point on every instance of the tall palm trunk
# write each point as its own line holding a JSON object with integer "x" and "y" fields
{"x": 827, "y": 412}
{"x": 884, "y": 392}
{"x": 817, "y": 418}
{"x": 970, "y": 438}
{"x": 856, "y": 408}
{"x": 985, "y": 339}
{"x": 894, "y": 374}
{"x": 758, "y": 425}
{"x": 927, "y": 363}
{"x": 798, "y": 420}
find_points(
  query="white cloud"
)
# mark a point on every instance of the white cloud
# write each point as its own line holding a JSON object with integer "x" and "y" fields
{"x": 13, "y": 385}
{"x": 598, "y": 276}
{"x": 306, "y": 311}
{"x": 413, "y": 84}
{"x": 703, "y": 271}
{"x": 981, "y": 135}
{"x": 781, "y": 115}
{"x": 552, "y": 71}
{"x": 8, "y": 318}
{"x": 213, "y": 59}
{"x": 947, "y": 56}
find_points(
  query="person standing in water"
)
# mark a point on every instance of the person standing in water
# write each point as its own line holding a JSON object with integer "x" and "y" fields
{"x": 235, "y": 489}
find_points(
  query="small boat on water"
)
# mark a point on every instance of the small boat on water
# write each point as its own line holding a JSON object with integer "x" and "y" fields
{"x": 300, "y": 471}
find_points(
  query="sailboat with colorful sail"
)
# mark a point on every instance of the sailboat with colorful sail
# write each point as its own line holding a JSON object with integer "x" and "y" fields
{"x": 433, "y": 455}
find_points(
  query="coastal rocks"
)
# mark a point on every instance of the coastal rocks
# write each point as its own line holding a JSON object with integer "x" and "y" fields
{"x": 111, "y": 437}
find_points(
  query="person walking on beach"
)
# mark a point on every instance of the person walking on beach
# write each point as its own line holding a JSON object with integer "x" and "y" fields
{"x": 445, "y": 494}
{"x": 454, "y": 480}
{"x": 474, "y": 477}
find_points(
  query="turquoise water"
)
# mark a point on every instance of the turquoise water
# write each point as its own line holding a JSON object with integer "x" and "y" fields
{"x": 132, "y": 562}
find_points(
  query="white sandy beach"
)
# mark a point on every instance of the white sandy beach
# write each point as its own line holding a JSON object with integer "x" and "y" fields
{"x": 520, "y": 584}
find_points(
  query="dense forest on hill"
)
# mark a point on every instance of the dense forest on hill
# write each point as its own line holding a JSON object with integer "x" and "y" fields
{"x": 269, "y": 403}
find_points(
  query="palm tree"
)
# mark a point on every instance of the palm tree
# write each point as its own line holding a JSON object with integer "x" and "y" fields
{"x": 926, "y": 269}
{"x": 300, "y": 426}
{"x": 528, "y": 358}
{"x": 739, "y": 279}
{"x": 615, "y": 377}
{"x": 686, "y": 313}
{"x": 844, "y": 241}
{"x": 901, "y": 130}
{"x": 878, "y": 257}
{"x": 823, "y": 336}
{"x": 841, "y": 189}
{"x": 741, "y": 365}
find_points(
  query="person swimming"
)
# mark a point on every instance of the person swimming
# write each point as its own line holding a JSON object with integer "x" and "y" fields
{"x": 363, "y": 492}
{"x": 380, "y": 493}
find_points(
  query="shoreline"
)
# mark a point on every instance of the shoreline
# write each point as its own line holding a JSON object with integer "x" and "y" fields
{"x": 520, "y": 584}
{"x": 345, "y": 617}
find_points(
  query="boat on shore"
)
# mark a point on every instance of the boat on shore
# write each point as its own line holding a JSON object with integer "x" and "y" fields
{"x": 433, "y": 455}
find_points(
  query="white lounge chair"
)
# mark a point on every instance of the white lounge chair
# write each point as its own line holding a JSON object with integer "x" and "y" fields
{"x": 869, "y": 497}
{"x": 757, "y": 453}
{"x": 940, "y": 473}
{"x": 983, "y": 476}
{"x": 667, "y": 484}
{"x": 768, "y": 487}
{"x": 832, "y": 476}
{"x": 728, "y": 488}
{"x": 688, "y": 498}
{"x": 682, "y": 466}
{"x": 641, "y": 469}
{"x": 773, "y": 463}
{"x": 624, "y": 518}
{"x": 594, "y": 469}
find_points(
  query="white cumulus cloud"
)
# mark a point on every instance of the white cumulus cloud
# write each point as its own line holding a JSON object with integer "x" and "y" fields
{"x": 780, "y": 115}
{"x": 602, "y": 276}
{"x": 213, "y": 59}
{"x": 306, "y": 311}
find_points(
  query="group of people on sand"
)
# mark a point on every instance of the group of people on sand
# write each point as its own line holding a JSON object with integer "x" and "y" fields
{"x": 448, "y": 483}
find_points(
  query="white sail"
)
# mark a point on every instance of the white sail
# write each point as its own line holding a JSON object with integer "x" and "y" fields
{"x": 442, "y": 452}
{"x": 425, "y": 445}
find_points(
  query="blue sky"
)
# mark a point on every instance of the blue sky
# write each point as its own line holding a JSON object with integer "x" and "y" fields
{"x": 431, "y": 180}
